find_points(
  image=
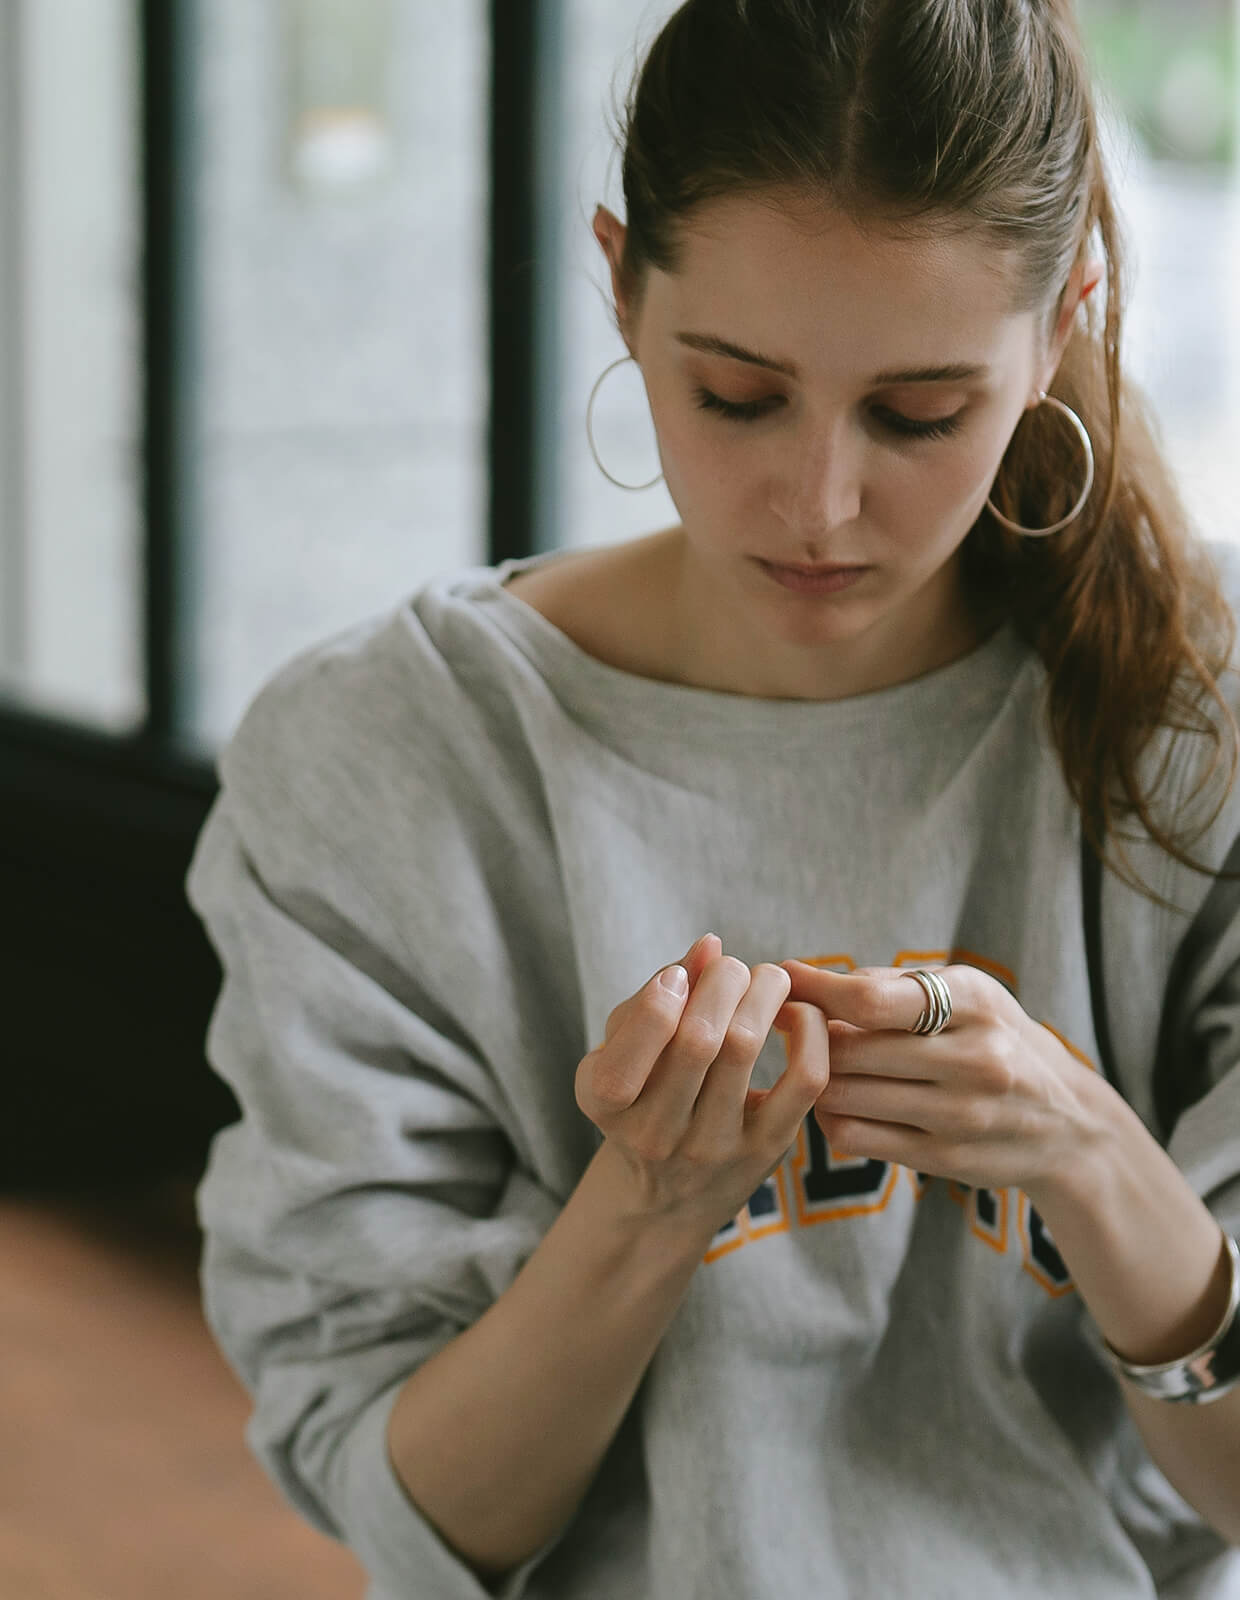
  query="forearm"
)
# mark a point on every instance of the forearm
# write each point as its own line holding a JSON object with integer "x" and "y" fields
{"x": 1146, "y": 1257}
{"x": 497, "y": 1437}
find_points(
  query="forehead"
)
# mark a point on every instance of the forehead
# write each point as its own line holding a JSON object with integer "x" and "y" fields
{"x": 810, "y": 284}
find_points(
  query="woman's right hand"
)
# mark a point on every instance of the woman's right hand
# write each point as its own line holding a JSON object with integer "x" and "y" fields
{"x": 669, "y": 1085}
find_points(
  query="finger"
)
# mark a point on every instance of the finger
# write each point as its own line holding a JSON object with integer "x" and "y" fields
{"x": 610, "y": 1078}
{"x": 779, "y": 1113}
{"x": 885, "y": 998}
{"x": 860, "y": 1052}
{"x": 676, "y": 1081}
{"x": 704, "y": 950}
{"x": 853, "y": 1138}
{"x": 719, "y": 1113}
{"x": 915, "y": 1105}
{"x": 708, "y": 948}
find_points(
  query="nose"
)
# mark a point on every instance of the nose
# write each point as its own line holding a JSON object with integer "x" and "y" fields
{"x": 819, "y": 486}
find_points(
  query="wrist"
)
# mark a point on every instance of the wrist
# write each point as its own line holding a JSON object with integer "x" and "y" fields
{"x": 1207, "y": 1372}
{"x": 1095, "y": 1123}
{"x": 675, "y": 1236}
{"x": 1142, "y": 1247}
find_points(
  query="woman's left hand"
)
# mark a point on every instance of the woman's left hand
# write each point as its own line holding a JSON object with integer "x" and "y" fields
{"x": 994, "y": 1100}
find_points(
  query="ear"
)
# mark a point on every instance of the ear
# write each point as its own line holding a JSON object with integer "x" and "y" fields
{"x": 610, "y": 233}
{"x": 1084, "y": 279}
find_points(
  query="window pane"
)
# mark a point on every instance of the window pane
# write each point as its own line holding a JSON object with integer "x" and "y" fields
{"x": 70, "y": 484}
{"x": 342, "y": 157}
{"x": 602, "y": 46}
{"x": 1173, "y": 93}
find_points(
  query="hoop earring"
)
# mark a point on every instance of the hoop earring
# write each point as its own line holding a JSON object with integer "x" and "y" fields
{"x": 1087, "y": 445}
{"x": 590, "y": 430}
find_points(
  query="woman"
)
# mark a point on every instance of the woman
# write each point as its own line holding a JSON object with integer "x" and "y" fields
{"x": 829, "y": 1256}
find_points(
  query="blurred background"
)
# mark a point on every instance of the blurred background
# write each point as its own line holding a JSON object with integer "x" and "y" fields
{"x": 326, "y": 326}
{"x": 299, "y": 305}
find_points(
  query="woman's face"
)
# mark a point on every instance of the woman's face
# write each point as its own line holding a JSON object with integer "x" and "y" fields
{"x": 827, "y": 394}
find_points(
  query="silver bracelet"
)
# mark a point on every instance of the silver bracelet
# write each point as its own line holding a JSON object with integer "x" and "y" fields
{"x": 1210, "y": 1372}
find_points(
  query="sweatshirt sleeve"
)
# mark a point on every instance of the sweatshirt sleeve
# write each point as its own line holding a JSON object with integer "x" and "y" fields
{"x": 1196, "y": 1086}
{"x": 1198, "y": 1063}
{"x": 367, "y": 1206}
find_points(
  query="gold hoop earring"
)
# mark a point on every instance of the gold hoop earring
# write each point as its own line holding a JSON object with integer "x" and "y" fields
{"x": 590, "y": 430}
{"x": 1087, "y": 445}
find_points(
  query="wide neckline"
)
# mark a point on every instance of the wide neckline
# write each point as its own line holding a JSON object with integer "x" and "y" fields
{"x": 963, "y": 688}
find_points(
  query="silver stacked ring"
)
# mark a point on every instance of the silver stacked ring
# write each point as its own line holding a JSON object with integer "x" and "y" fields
{"x": 938, "y": 1009}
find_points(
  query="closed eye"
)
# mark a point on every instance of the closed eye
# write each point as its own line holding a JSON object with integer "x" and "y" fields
{"x": 914, "y": 428}
{"x": 737, "y": 410}
{"x": 895, "y": 421}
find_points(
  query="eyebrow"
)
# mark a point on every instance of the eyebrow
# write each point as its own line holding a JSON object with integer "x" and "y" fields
{"x": 951, "y": 372}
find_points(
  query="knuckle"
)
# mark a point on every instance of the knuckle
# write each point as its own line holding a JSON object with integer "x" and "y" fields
{"x": 699, "y": 1039}
{"x": 814, "y": 1069}
{"x": 742, "y": 1039}
{"x": 651, "y": 1144}
{"x": 997, "y": 1068}
{"x": 696, "y": 1155}
{"x": 974, "y": 1118}
{"x": 584, "y": 1073}
{"x": 661, "y": 1010}
{"x": 605, "y": 1085}
{"x": 816, "y": 1075}
{"x": 873, "y": 1011}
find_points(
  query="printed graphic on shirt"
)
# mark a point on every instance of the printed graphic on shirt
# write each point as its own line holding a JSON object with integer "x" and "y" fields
{"x": 813, "y": 1185}
{"x": 827, "y": 1188}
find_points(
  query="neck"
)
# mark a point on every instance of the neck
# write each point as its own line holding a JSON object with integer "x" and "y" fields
{"x": 733, "y": 641}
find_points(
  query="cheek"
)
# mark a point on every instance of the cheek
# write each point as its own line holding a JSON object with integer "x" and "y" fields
{"x": 967, "y": 472}
{"x": 974, "y": 472}
{"x": 931, "y": 483}
{"x": 929, "y": 502}
{"x": 702, "y": 460}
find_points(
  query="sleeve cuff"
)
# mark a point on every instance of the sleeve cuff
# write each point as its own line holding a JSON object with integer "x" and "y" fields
{"x": 400, "y": 1550}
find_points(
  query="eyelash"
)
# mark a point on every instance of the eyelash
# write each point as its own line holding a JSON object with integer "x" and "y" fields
{"x": 904, "y": 427}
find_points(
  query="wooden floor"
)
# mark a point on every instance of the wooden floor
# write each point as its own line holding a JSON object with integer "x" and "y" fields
{"x": 123, "y": 1471}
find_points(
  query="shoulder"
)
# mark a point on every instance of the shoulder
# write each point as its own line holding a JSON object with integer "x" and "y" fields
{"x": 404, "y": 719}
{"x": 609, "y": 600}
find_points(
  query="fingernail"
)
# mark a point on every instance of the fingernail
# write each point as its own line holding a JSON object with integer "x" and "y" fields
{"x": 676, "y": 979}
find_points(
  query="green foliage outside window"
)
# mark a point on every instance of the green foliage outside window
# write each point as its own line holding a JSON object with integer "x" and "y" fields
{"x": 1172, "y": 69}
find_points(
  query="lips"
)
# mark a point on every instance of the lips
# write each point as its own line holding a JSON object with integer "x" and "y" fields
{"x": 822, "y": 580}
{"x": 814, "y": 572}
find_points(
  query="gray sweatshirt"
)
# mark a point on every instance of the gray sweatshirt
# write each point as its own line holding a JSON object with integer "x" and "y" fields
{"x": 447, "y": 843}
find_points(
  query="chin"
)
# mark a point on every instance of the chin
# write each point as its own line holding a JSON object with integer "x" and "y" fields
{"x": 822, "y": 622}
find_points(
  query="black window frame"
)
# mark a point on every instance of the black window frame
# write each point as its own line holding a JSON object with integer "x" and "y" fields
{"x": 110, "y": 978}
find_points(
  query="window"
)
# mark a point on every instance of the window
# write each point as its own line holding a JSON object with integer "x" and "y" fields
{"x": 342, "y": 397}
{"x": 70, "y": 484}
{"x": 1170, "y": 68}
{"x": 603, "y": 44}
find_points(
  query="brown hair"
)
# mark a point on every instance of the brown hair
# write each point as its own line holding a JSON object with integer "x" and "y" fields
{"x": 976, "y": 114}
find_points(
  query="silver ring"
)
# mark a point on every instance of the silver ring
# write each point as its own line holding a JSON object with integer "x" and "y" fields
{"x": 938, "y": 1008}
